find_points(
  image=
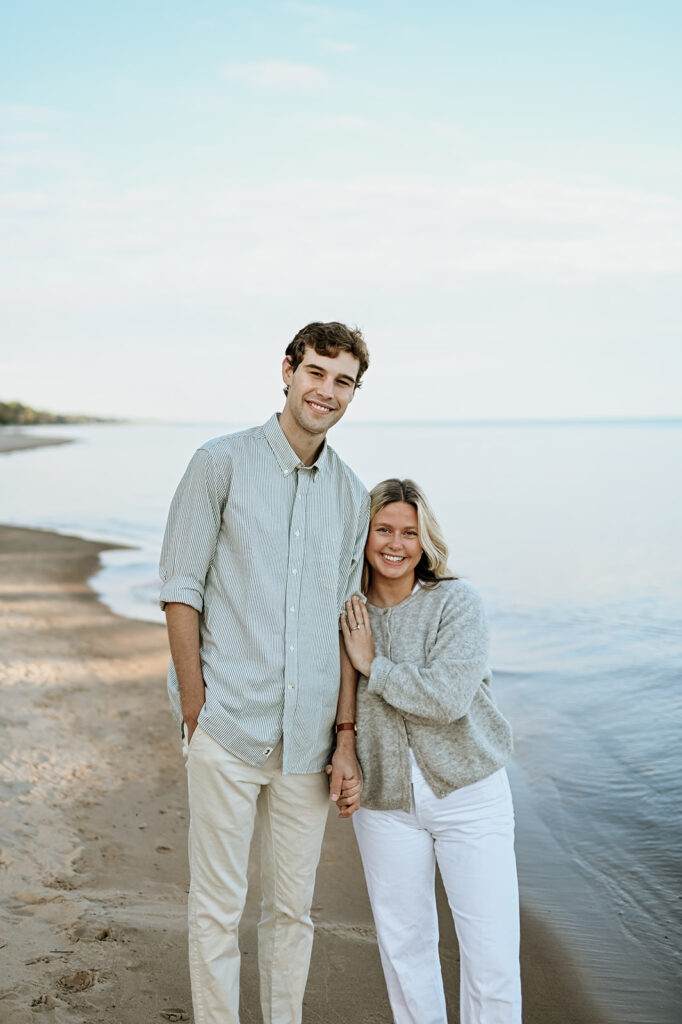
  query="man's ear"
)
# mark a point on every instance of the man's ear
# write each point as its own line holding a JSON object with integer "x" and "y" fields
{"x": 287, "y": 370}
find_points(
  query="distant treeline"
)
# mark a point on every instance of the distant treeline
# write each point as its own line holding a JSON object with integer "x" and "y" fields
{"x": 16, "y": 414}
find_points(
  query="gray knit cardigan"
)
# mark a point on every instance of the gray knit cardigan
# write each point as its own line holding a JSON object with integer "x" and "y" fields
{"x": 429, "y": 689}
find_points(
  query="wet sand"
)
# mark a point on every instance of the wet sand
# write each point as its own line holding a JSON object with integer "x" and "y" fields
{"x": 93, "y": 840}
{"x": 12, "y": 439}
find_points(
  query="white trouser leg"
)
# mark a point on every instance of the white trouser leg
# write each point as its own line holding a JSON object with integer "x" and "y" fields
{"x": 225, "y": 794}
{"x": 223, "y": 791}
{"x": 473, "y": 830}
{"x": 292, "y": 812}
{"x": 399, "y": 862}
{"x": 472, "y": 834}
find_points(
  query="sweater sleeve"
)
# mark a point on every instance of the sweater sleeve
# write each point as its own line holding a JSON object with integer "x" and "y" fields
{"x": 441, "y": 690}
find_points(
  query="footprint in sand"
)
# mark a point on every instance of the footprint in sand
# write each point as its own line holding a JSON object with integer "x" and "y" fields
{"x": 174, "y": 1014}
{"x": 65, "y": 884}
{"x": 346, "y": 931}
{"x": 78, "y": 982}
{"x": 92, "y": 929}
{"x": 43, "y": 1003}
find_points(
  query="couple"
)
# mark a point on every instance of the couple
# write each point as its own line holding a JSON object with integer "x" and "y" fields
{"x": 266, "y": 545}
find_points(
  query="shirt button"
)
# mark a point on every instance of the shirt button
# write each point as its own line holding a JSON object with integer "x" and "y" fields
{"x": 286, "y": 472}
{"x": 268, "y": 750}
{"x": 292, "y": 609}
{"x": 297, "y": 534}
{"x": 291, "y": 686}
{"x": 291, "y": 648}
{"x": 294, "y": 571}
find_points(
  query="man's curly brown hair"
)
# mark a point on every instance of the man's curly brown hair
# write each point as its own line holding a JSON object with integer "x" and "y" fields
{"x": 328, "y": 339}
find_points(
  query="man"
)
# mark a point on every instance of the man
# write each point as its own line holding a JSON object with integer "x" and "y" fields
{"x": 264, "y": 543}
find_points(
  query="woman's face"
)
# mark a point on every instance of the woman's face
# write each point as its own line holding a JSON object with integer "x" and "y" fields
{"x": 393, "y": 549}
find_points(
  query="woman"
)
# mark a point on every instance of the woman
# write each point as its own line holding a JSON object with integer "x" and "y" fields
{"x": 431, "y": 744}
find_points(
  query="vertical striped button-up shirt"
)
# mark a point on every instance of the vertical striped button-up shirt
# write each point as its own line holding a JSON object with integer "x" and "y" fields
{"x": 267, "y": 550}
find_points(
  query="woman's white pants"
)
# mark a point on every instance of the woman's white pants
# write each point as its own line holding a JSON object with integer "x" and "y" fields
{"x": 470, "y": 834}
{"x": 226, "y": 795}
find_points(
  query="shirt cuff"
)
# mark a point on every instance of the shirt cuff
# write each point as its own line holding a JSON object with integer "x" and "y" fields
{"x": 182, "y": 592}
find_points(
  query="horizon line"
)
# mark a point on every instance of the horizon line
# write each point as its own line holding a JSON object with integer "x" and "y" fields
{"x": 104, "y": 420}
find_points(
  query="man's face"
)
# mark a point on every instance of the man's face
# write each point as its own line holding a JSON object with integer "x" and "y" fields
{"x": 320, "y": 389}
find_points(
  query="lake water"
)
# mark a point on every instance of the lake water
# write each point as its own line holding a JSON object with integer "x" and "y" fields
{"x": 573, "y": 533}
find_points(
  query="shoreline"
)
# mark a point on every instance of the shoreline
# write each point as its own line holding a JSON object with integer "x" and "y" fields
{"x": 13, "y": 440}
{"x": 94, "y": 858}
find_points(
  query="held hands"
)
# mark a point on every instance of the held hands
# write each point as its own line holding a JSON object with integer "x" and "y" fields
{"x": 357, "y": 635}
{"x": 345, "y": 783}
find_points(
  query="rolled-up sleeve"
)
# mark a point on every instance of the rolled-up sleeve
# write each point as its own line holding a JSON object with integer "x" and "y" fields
{"x": 191, "y": 533}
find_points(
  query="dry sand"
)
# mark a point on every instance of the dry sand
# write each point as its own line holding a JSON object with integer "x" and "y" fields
{"x": 93, "y": 836}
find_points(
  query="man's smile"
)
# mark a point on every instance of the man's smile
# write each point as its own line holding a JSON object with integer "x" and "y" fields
{"x": 318, "y": 407}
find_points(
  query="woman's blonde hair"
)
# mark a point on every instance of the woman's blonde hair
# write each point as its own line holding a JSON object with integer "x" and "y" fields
{"x": 433, "y": 564}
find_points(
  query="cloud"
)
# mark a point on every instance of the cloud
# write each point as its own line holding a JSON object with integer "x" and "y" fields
{"x": 19, "y": 113}
{"x": 24, "y": 202}
{"x": 337, "y": 46}
{"x": 275, "y": 74}
{"x": 97, "y": 247}
{"x": 320, "y": 17}
{"x": 341, "y": 124}
{"x": 523, "y": 268}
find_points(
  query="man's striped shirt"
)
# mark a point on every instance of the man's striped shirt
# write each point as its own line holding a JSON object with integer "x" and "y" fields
{"x": 267, "y": 550}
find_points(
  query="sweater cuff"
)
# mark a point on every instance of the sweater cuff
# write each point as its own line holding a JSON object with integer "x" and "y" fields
{"x": 378, "y": 674}
{"x": 181, "y": 592}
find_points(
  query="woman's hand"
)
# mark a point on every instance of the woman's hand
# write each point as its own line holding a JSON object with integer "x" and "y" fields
{"x": 357, "y": 635}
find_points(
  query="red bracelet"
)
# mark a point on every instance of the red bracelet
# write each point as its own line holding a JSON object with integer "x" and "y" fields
{"x": 347, "y": 725}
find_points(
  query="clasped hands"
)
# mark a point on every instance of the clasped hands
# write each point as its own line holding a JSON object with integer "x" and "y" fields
{"x": 345, "y": 783}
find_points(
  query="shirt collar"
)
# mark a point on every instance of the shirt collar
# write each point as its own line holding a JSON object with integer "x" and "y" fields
{"x": 286, "y": 457}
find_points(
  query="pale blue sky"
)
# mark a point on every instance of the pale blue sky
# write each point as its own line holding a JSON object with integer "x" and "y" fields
{"x": 490, "y": 190}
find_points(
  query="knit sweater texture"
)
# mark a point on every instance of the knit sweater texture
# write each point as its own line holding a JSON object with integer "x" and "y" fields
{"x": 429, "y": 689}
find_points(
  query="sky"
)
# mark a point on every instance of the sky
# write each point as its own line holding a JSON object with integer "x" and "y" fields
{"x": 491, "y": 191}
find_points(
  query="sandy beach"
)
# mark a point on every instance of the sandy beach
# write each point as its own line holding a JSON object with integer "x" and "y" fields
{"x": 93, "y": 837}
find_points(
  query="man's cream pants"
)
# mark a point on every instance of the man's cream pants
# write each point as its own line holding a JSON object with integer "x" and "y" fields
{"x": 225, "y": 796}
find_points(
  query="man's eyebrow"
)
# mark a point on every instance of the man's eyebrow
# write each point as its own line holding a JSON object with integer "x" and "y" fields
{"x": 340, "y": 376}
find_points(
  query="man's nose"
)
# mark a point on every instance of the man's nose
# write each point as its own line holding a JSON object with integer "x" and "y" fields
{"x": 325, "y": 388}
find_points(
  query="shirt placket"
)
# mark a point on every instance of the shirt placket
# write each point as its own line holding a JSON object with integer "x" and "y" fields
{"x": 293, "y": 596}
